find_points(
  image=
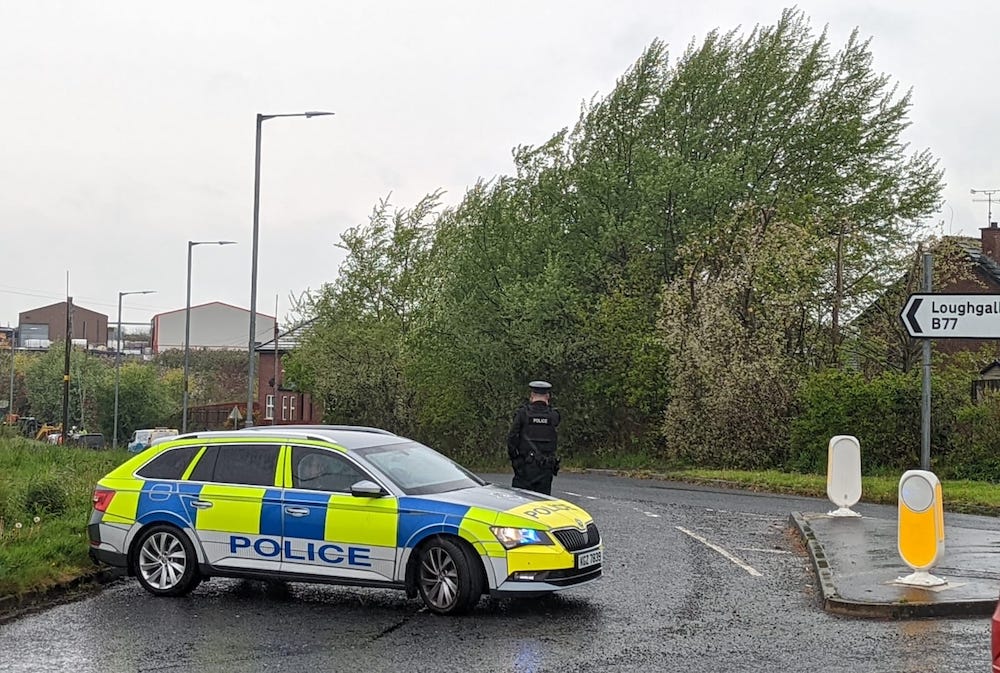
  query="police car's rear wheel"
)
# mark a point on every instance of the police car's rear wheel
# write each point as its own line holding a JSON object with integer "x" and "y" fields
{"x": 448, "y": 577}
{"x": 165, "y": 562}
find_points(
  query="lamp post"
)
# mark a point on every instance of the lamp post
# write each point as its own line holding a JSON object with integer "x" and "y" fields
{"x": 253, "y": 263}
{"x": 118, "y": 357}
{"x": 187, "y": 328}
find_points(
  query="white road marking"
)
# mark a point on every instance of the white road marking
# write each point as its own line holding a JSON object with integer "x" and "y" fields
{"x": 590, "y": 497}
{"x": 649, "y": 514}
{"x": 763, "y": 551}
{"x": 750, "y": 569}
{"x": 572, "y": 493}
{"x": 750, "y": 514}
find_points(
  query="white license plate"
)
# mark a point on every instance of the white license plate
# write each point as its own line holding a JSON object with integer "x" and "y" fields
{"x": 587, "y": 559}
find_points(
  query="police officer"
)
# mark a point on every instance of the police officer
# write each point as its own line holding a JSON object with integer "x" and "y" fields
{"x": 531, "y": 442}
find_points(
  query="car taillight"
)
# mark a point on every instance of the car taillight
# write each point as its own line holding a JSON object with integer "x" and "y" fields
{"x": 102, "y": 498}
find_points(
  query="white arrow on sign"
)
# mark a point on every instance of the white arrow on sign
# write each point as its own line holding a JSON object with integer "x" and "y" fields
{"x": 952, "y": 316}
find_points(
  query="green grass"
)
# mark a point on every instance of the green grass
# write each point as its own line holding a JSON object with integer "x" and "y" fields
{"x": 52, "y": 484}
{"x": 972, "y": 497}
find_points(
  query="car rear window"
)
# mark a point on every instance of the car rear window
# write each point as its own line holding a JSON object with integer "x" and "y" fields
{"x": 205, "y": 467}
{"x": 169, "y": 465}
{"x": 249, "y": 464}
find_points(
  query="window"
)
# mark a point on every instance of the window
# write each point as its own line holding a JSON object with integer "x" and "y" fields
{"x": 269, "y": 408}
{"x": 250, "y": 464}
{"x": 419, "y": 470}
{"x": 284, "y": 407}
{"x": 324, "y": 470}
{"x": 205, "y": 466}
{"x": 170, "y": 464}
{"x": 291, "y": 408}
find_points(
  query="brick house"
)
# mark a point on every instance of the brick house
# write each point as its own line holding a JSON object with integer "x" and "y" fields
{"x": 281, "y": 403}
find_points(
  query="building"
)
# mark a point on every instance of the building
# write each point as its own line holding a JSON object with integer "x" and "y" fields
{"x": 38, "y": 327}
{"x": 961, "y": 265}
{"x": 281, "y": 402}
{"x": 214, "y": 326}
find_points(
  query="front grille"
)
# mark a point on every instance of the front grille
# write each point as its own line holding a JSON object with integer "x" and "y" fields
{"x": 575, "y": 540}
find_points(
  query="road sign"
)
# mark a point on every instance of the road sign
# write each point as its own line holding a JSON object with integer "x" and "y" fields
{"x": 952, "y": 316}
{"x": 235, "y": 415}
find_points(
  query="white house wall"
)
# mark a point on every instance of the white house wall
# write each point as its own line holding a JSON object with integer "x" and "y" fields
{"x": 213, "y": 326}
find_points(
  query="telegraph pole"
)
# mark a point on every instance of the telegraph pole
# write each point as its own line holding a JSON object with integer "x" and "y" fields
{"x": 69, "y": 345}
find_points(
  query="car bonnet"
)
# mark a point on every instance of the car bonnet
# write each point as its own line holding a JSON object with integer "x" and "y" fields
{"x": 518, "y": 507}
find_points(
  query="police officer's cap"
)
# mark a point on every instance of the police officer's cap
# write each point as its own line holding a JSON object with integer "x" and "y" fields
{"x": 540, "y": 387}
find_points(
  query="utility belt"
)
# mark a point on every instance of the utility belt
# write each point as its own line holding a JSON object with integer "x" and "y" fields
{"x": 546, "y": 461}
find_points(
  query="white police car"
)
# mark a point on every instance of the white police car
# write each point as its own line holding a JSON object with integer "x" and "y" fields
{"x": 335, "y": 504}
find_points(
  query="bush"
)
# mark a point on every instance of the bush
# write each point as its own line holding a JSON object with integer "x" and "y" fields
{"x": 975, "y": 452}
{"x": 883, "y": 412}
{"x": 45, "y": 496}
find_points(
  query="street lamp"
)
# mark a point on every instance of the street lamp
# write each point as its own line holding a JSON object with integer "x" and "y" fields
{"x": 118, "y": 356}
{"x": 253, "y": 264}
{"x": 187, "y": 327}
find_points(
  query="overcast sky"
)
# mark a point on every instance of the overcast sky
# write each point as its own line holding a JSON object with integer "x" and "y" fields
{"x": 127, "y": 127}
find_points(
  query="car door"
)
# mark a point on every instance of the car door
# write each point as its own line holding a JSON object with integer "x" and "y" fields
{"x": 327, "y": 530}
{"x": 238, "y": 520}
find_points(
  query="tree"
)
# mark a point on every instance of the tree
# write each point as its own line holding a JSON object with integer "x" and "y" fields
{"x": 43, "y": 382}
{"x": 352, "y": 357}
{"x": 147, "y": 397}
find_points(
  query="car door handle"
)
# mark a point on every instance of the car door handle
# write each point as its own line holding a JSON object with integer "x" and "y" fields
{"x": 297, "y": 511}
{"x": 201, "y": 504}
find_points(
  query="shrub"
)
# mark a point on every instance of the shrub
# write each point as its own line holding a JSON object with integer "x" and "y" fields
{"x": 975, "y": 453}
{"x": 45, "y": 496}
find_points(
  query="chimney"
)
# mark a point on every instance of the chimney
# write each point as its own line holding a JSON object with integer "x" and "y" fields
{"x": 991, "y": 242}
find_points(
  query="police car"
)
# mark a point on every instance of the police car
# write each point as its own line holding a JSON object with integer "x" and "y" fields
{"x": 334, "y": 504}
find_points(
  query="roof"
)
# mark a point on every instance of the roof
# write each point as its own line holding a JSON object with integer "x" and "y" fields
{"x": 990, "y": 366}
{"x": 973, "y": 249}
{"x": 287, "y": 340}
{"x": 76, "y": 307}
{"x": 212, "y": 303}
{"x": 348, "y": 436}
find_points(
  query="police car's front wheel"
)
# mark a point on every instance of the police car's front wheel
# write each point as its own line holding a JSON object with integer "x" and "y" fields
{"x": 165, "y": 562}
{"x": 448, "y": 578}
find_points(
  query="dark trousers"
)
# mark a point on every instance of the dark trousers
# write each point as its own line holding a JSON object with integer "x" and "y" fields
{"x": 539, "y": 483}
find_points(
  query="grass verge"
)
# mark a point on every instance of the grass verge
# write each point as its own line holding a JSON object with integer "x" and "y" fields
{"x": 971, "y": 497}
{"x": 45, "y": 500}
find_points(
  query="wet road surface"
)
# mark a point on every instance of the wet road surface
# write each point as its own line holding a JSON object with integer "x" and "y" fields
{"x": 695, "y": 580}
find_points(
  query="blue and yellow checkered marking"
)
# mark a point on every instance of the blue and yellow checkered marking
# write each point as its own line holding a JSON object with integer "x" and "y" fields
{"x": 419, "y": 517}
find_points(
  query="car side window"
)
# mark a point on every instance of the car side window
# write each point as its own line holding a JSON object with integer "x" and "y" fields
{"x": 205, "y": 467}
{"x": 324, "y": 470}
{"x": 170, "y": 464}
{"x": 249, "y": 464}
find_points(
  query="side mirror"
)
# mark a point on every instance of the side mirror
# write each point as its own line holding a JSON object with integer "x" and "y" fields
{"x": 367, "y": 489}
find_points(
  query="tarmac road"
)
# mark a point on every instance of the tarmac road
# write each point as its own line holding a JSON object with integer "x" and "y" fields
{"x": 668, "y": 602}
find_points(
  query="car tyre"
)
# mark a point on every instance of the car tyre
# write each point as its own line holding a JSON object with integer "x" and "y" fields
{"x": 449, "y": 577}
{"x": 164, "y": 561}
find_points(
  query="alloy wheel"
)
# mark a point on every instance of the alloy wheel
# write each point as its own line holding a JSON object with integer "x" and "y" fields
{"x": 439, "y": 578}
{"x": 162, "y": 560}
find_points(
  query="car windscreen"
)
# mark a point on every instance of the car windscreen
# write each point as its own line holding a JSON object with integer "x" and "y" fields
{"x": 417, "y": 469}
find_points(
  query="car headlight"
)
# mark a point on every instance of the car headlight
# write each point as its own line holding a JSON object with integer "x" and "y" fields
{"x": 515, "y": 537}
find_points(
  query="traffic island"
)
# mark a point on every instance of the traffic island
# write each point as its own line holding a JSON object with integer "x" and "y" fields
{"x": 856, "y": 564}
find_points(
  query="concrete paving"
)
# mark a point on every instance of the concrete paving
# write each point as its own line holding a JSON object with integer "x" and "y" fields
{"x": 857, "y": 563}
